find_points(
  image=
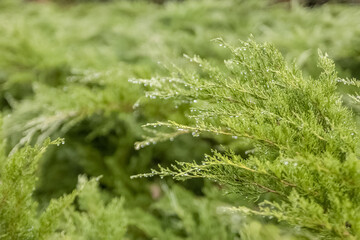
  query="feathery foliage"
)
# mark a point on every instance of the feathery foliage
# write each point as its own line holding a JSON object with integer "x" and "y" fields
{"x": 64, "y": 72}
{"x": 304, "y": 142}
{"x": 95, "y": 217}
{"x": 19, "y": 217}
{"x": 18, "y": 214}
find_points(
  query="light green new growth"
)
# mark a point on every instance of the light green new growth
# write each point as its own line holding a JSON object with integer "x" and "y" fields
{"x": 18, "y": 215}
{"x": 95, "y": 219}
{"x": 304, "y": 141}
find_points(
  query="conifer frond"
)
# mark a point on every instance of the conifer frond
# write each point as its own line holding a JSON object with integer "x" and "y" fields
{"x": 19, "y": 218}
{"x": 97, "y": 217}
{"x": 305, "y": 141}
{"x": 18, "y": 215}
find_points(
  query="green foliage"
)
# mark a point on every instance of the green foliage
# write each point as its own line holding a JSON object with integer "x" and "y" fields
{"x": 305, "y": 142}
{"x": 45, "y": 44}
{"x": 19, "y": 218}
{"x": 83, "y": 98}
{"x": 95, "y": 217}
{"x": 64, "y": 71}
{"x": 185, "y": 217}
{"x": 18, "y": 215}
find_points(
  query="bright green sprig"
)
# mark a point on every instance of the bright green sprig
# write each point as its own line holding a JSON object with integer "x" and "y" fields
{"x": 305, "y": 141}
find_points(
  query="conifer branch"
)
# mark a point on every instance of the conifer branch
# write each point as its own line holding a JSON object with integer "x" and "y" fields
{"x": 306, "y": 142}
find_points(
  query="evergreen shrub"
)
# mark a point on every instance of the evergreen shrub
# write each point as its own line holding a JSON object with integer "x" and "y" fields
{"x": 64, "y": 72}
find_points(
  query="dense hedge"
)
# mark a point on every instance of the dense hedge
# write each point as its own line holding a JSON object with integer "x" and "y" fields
{"x": 64, "y": 72}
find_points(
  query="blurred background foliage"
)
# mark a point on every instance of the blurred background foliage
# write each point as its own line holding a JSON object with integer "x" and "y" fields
{"x": 64, "y": 71}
